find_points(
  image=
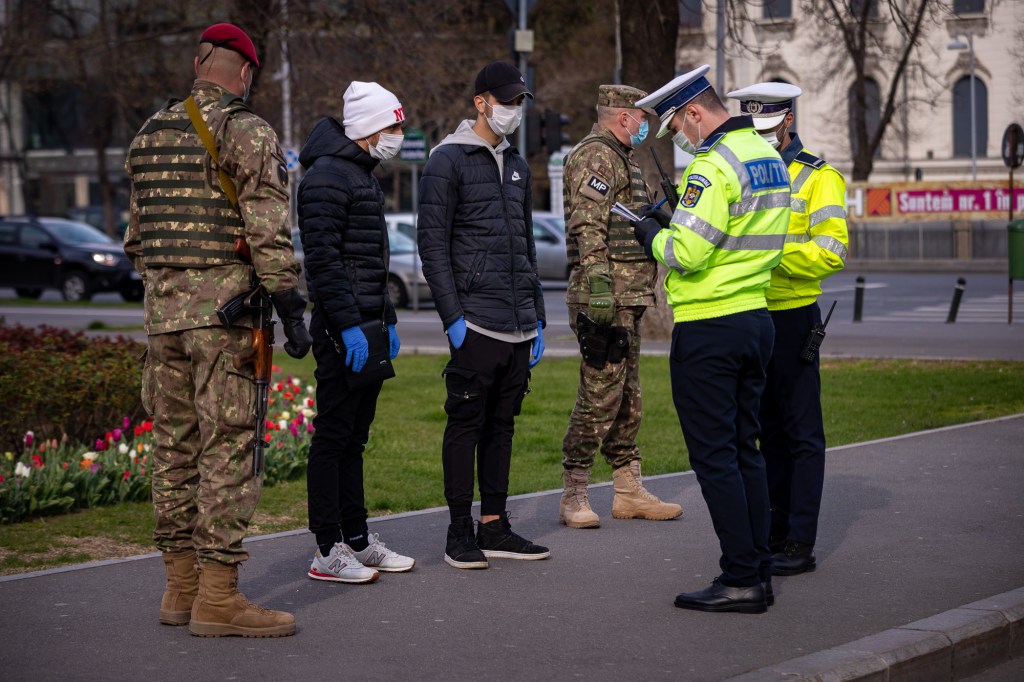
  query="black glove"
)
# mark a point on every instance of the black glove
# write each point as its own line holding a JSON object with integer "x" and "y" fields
{"x": 290, "y": 305}
{"x": 648, "y": 211}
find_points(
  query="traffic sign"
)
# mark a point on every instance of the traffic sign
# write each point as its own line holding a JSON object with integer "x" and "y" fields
{"x": 1013, "y": 146}
{"x": 414, "y": 147}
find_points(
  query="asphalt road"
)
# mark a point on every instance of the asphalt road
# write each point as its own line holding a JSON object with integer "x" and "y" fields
{"x": 903, "y": 315}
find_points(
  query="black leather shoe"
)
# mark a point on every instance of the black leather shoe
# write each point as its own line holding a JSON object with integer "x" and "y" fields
{"x": 721, "y": 598}
{"x": 795, "y": 559}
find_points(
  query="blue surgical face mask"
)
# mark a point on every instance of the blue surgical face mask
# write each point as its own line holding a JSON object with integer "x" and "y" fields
{"x": 641, "y": 135}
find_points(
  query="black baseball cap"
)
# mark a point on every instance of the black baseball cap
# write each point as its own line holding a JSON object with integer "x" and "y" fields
{"x": 502, "y": 80}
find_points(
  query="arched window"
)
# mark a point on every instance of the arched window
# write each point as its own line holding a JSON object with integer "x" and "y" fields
{"x": 962, "y": 117}
{"x": 872, "y": 112}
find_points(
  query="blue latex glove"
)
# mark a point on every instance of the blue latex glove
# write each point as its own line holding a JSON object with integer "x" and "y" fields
{"x": 457, "y": 332}
{"x": 356, "y": 348}
{"x": 538, "y": 345}
{"x": 395, "y": 342}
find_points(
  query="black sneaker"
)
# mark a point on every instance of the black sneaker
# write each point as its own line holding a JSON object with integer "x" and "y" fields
{"x": 496, "y": 539}
{"x": 461, "y": 550}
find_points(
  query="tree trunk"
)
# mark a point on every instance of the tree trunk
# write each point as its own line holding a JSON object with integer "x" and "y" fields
{"x": 649, "y": 34}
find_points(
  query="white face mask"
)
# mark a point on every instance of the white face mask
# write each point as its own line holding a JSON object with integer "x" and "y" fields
{"x": 387, "y": 146}
{"x": 505, "y": 119}
{"x": 683, "y": 143}
{"x": 773, "y": 137}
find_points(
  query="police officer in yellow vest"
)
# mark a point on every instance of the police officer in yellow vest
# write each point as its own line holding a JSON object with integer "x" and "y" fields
{"x": 792, "y": 433}
{"x": 720, "y": 245}
{"x": 612, "y": 282}
{"x": 205, "y": 173}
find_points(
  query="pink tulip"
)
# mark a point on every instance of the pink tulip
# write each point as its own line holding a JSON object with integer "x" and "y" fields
{"x": 125, "y": 423}
{"x": 117, "y": 435}
{"x": 28, "y": 439}
{"x": 293, "y": 429}
{"x": 309, "y": 427}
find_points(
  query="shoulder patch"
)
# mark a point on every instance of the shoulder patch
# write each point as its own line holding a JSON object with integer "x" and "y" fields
{"x": 697, "y": 177}
{"x": 282, "y": 174}
{"x": 709, "y": 143}
{"x": 809, "y": 159}
{"x": 595, "y": 187}
{"x": 691, "y": 193}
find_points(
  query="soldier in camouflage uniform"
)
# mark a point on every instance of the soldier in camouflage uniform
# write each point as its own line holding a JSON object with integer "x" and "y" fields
{"x": 612, "y": 281}
{"x": 180, "y": 237}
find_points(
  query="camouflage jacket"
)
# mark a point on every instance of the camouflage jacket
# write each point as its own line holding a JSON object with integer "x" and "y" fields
{"x": 180, "y": 298}
{"x": 598, "y": 172}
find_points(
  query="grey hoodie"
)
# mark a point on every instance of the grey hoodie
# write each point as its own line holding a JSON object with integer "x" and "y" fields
{"x": 465, "y": 134}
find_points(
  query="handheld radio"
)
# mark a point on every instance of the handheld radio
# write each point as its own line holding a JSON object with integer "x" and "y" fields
{"x": 814, "y": 339}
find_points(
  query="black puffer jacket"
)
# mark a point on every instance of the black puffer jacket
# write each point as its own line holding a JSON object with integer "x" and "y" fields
{"x": 475, "y": 234}
{"x": 344, "y": 235}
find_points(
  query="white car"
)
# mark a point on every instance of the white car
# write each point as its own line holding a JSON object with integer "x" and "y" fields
{"x": 402, "y": 284}
{"x": 548, "y": 236}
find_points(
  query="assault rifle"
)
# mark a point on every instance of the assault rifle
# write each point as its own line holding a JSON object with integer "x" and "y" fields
{"x": 255, "y": 302}
{"x": 667, "y": 186}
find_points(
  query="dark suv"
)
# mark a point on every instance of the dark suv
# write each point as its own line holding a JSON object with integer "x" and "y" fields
{"x": 56, "y": 253}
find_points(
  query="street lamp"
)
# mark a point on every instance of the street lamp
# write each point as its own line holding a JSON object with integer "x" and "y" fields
{"x": 969, "y": 46}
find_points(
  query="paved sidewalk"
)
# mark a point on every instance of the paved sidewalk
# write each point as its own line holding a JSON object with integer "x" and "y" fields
{"x": 912, "y": 528}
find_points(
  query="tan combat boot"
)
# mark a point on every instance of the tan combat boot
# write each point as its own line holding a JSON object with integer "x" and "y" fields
{"x": 182, "y": 586}
{"x": 221, "y": 610}
{"x": 574, "y": 508}
{"x": 632, "y": 501}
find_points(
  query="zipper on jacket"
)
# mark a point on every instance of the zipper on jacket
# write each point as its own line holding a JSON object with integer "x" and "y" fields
{"x": 507, "y": 159}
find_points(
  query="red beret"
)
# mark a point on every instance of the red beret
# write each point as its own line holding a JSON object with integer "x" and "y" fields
{"x": 232, "y": 38}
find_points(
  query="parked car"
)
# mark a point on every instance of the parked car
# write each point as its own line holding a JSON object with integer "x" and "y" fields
{"x": 401, "y": 276}
{"x": 548, "y": 236}
{"x": 56, "y": 253}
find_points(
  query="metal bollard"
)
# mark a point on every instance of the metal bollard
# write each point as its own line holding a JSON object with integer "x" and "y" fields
{"x": 858, "y": 299}
{"x": 958, "y": 293}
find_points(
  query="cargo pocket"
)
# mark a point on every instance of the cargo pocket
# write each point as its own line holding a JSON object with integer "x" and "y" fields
{"x": 236, "y": 392}
{"x": 523, "y": 392}
{"x": 464, "y": 399}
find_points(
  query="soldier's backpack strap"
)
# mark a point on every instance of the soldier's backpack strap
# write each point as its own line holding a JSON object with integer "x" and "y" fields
{"x": 203, "y": 130}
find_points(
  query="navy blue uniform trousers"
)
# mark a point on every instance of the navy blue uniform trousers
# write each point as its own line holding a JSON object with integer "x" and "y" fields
{"x": 792, "y": 433}
{"x": 718, "y": 375}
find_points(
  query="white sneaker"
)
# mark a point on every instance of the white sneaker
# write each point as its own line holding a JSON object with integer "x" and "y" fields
{"x": 341, "y": 566}
{"x": 376, "y": 555}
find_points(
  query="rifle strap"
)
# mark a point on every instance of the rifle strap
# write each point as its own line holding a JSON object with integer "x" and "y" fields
{"x": 203, "y": 130}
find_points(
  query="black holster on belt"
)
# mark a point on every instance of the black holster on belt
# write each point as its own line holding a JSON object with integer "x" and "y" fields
{"x": 600, "y": 343}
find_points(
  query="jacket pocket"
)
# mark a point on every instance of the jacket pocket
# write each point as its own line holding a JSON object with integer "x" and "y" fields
{"x": 475, "y": 271}
{"x": 236, "y": 390}
{"x": 464, "y": 393}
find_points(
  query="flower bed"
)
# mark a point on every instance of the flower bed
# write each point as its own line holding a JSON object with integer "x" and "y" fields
{"x": 58, "y": 476}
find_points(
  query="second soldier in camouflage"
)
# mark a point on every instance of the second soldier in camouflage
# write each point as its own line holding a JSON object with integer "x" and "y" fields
{"x": 612, "y": 282}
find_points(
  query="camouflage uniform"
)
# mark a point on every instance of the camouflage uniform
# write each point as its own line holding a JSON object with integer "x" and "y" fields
{"x": 598, "y": 172}
{"x": 180, "y": 237}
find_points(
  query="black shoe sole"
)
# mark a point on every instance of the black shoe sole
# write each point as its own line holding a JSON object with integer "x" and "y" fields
{"x": 807, "y": 568}
{"x": 749, "y": 607}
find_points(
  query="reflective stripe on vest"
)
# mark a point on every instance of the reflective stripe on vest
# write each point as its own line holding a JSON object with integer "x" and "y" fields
{"x": 184, "y": 220}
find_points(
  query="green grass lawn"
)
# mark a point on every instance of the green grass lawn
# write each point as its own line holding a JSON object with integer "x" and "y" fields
{"x": 863, "y": 400}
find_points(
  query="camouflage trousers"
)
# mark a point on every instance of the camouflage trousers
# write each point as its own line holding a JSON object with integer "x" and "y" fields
{"x": 608, "y": 403}
{"x": 204, "y": 492}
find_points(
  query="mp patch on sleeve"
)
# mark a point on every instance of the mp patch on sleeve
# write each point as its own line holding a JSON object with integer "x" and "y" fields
{"x": 596, "y": 188}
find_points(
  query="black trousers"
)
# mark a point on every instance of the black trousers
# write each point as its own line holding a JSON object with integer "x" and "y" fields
{"x": 718, "y": 375}
{"x": 334, "y": 476}
{"x": 792, "y": 433}
{"x": 486, "y": 381}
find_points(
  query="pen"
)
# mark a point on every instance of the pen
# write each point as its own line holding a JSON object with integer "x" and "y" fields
{"x": 658, "y": 205}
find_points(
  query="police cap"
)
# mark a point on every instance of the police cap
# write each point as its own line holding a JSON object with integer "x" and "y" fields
{"x": 766, "y": 103}
{"x": 675, "y": 94}
{"x": 232, "y": 38}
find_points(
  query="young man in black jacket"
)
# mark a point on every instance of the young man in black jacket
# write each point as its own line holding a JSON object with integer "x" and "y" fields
{"x": 345, "y": 239}
{"x": 475, "y": 236}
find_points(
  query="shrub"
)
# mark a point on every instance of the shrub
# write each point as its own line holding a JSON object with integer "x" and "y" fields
{"x": 64, "y": 385}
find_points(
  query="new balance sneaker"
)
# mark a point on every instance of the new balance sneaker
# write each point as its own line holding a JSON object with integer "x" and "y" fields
{"x": 341, "y": 566}
{"x": 461, "y": 550}
{"x": 376, "y": 555}
{"x": 496, "y": 539}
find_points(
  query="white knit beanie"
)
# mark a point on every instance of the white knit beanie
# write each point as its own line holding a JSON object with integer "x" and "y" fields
{"x": 369, "y": 108}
